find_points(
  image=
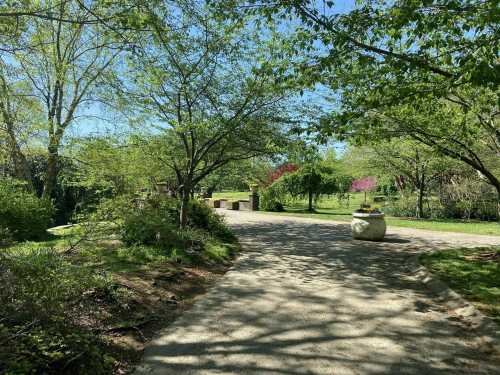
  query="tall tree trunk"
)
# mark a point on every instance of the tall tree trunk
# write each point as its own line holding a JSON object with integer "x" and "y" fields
{"x": 310, "y": 207}
{"x": 420, "y": 195}
{"x": 498, "y": 202}
{"x": 420, "y": 202}
{"x": 185, "y": 194}
{"x": 493, "y": 180}
{"x": 51, "y": 173}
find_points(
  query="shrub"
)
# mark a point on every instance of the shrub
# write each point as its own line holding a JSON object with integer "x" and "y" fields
{"x": 147, "y": 226}
{"x": 441, "y": 209}
{"x": 41, "y": 303}
{"x": 468, "y": 198}
{"x": 22, "y": 213}
{"x": 201, "y": 216}
{"x": 271, "y": 198}
{"x": 150, "y": 222}
{"x": 404, "y": 206}
{"x": 155, "y": 221}
{"x": 42, "y": 283}
{"x": 6, "y": 237}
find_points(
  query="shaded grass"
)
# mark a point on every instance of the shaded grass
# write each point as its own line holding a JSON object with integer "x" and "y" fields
{"x": 474, "y": 273}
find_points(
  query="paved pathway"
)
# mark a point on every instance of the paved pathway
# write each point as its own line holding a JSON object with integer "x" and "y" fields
{"x": 304, "y": 298}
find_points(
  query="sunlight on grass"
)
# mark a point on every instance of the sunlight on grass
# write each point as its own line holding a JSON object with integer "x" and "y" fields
{"x": 474, "y": 273}
{"x": 232, "y": 195}
{"x": 329, "y": 208}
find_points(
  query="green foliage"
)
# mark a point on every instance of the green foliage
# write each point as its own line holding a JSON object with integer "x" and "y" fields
{"x": 41, "y": 281}
{"x": 155, "y": 220}
{"x": 147, "y": 227}
{"x": 40, "y": 303}
{"x": 22, "y": 214}
{"x": 150, "y": 222}
{"x": 403, "y": 206}
{"x": 51, "y": 350}
{"x": 314, "y": 179}
{"x": 120, "y": 166}
{"x": 54, "y": 305}
{"x": 272, "y": 197}
{"x": 201, "y": 216}
{"x": 307, "y": 179}
{"x": 6, "y": 237}
{"x": 398, "y": 37}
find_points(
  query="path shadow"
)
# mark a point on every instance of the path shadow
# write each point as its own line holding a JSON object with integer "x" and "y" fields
{"x": 305, "y": 298}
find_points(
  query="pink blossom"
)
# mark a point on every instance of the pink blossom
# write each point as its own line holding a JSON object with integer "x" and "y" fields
{"x": 280, "y": 171}
{"x": 364, "y": 184}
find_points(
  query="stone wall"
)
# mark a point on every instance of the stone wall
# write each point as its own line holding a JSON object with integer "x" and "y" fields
{"x": 245, "y": 205}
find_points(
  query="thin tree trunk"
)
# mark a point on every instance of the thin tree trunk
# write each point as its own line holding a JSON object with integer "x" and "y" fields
{"x": 310, "y": 207}
{"x": 420, "y": 202}
{"x": 184, "y": 206}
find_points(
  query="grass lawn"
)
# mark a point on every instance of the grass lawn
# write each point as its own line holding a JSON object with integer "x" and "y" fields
{"x": 329, "y": 208}
{"x": 232, "y": 195}
{"x": 110, "y": 298}
{"x": 474, "y": 273}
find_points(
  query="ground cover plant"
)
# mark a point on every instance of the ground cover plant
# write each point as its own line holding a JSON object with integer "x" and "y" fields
{"x": 22, "y": 214}
{"x": 473, "y": 273}
{"x": 87, "y": 298}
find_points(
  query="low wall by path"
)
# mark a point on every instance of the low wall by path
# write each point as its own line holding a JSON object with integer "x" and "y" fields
{"x": 245, "y": 205}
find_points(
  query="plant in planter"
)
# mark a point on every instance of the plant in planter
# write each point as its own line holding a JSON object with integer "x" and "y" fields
{"x": 364, "y": 185}
{"x": 367, "y": 223}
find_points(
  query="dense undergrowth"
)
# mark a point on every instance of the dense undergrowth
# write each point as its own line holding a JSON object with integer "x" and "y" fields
{"x": 67, "y": 301}
{"x": 22, "y": 214}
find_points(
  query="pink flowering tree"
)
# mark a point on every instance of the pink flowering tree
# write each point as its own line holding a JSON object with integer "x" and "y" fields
{"x": 280, "y": 171}
{"x": 364, "y": 184}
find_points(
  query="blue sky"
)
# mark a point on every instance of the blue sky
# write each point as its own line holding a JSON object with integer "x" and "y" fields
{"x": 100, "y": 120}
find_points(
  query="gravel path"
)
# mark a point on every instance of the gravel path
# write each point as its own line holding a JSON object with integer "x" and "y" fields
{"x": 304, "y": 298}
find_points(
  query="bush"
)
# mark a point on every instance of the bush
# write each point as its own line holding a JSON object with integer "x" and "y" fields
{"x": 42, "y": 283}
{"x": 22, "y": 213}
{"x": 42, "y": 301}
{"x": 147, "y": 227}
{"x": 404, "y": 206}
{"x": 271, "y": 198}
{"x": 155, "y": 221}
{"x": 468, "y": 198}
{"x": 6, "y": 237}
{"x": 148, "y": 222}
{"x": 442, "y": 209}
{"x": 201, "y": 216}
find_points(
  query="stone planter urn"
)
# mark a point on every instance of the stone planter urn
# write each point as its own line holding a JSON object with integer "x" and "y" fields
{"x": 368, "y": 226}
